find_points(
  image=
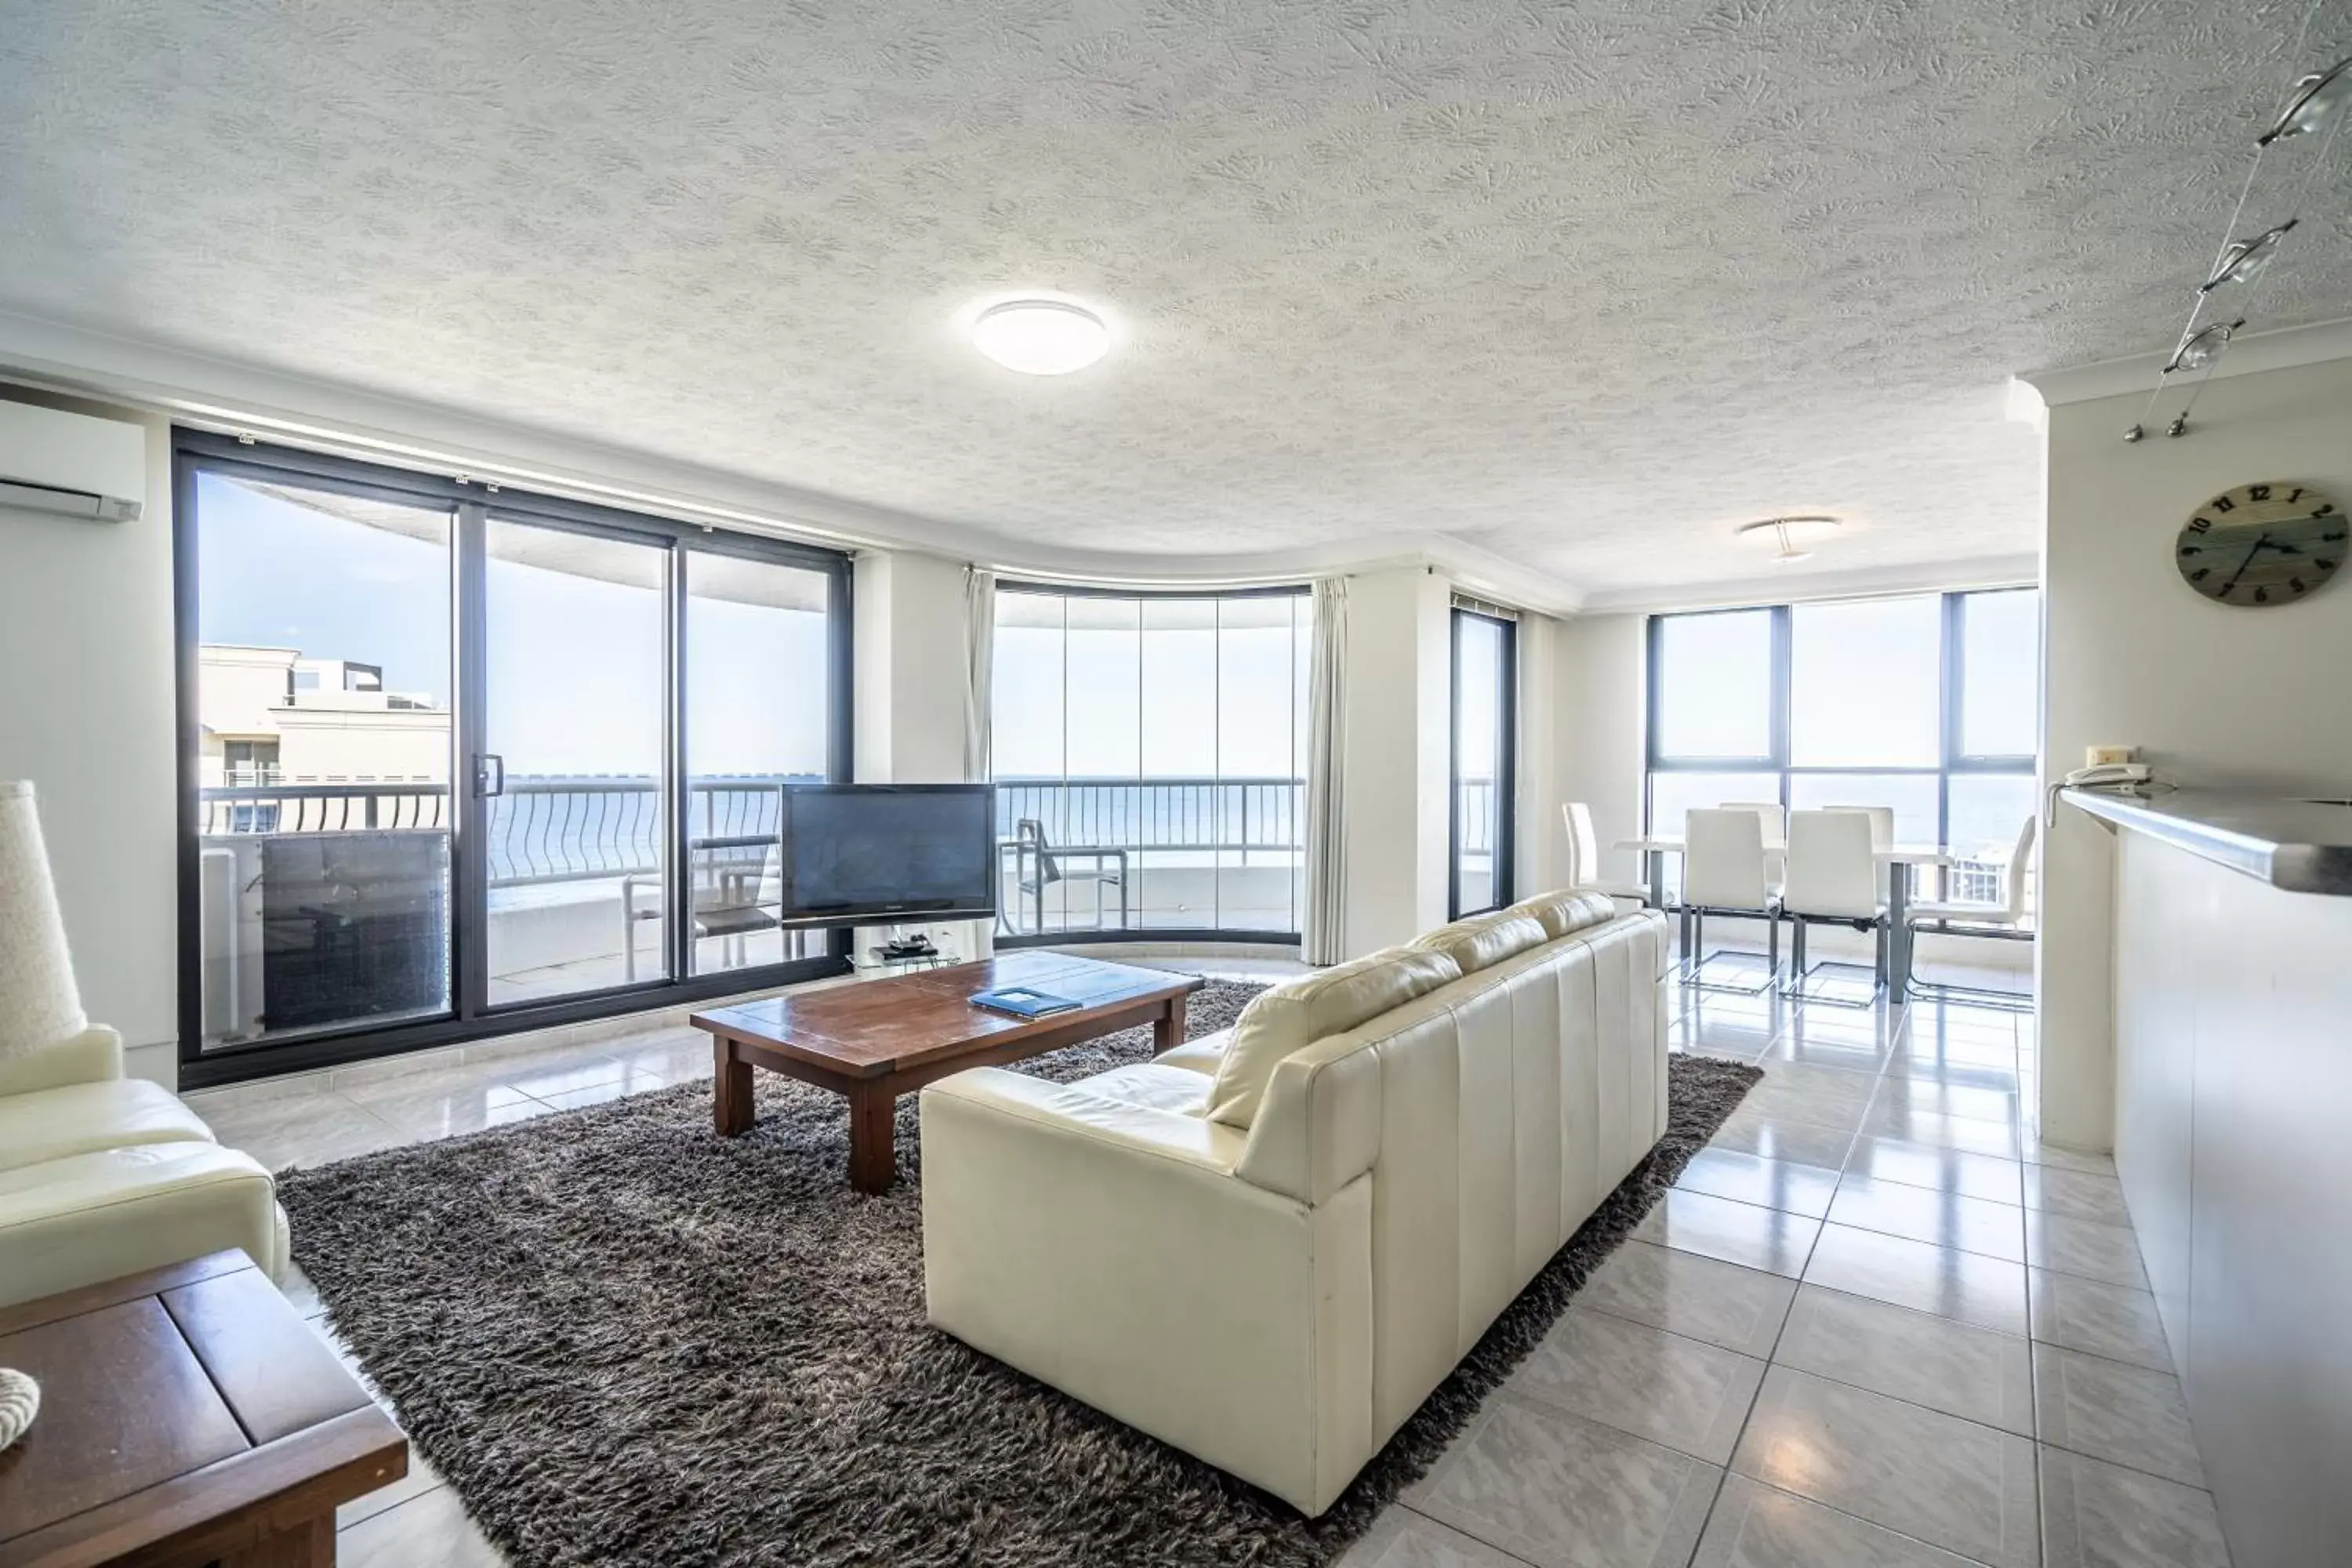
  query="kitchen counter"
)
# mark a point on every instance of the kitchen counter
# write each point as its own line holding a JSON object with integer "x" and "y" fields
{"x": 2296, "y": 845}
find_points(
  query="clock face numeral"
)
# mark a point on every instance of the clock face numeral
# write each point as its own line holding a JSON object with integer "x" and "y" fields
{"x": 2269, "y": 543}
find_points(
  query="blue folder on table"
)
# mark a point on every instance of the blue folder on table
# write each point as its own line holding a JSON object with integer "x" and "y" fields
{"x": 1023, "y": 1002}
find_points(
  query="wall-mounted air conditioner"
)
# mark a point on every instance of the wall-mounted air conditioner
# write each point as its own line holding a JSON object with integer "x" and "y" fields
{"x": 89, "y": 504}
{"x": 69, "y": 464}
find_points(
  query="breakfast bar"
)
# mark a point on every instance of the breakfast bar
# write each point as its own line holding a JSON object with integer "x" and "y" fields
{"x": 2233, "y": 1089}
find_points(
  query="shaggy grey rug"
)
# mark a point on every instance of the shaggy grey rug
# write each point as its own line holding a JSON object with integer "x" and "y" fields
{"x": 626, "y": 1342}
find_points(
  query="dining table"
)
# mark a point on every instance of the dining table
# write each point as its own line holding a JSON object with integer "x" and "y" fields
{"x": 1897, "y": 863}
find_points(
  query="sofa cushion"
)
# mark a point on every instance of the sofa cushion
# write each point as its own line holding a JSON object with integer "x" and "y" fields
{"x": 1482, "y": 940}
{"x": 1565, "y": 909}
{"x": 1154, "y": 1085}
{"x": 1300, "y": 1012}
{"x": 83, "y": 1117}
{"x": 1202, "y": 1056}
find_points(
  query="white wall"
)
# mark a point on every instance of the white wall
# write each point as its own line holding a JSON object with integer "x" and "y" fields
{"x": 87, "y": 713}
{"x": 1400, "y": 702}
{"x": 1598, "y": 748}
{"x": 908, "y": 680}
{"x": 2213, "y": 695}
{"x": 909, "y": 615}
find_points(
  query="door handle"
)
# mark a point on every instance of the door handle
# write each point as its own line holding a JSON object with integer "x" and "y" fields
{"x": 489, "y": 775}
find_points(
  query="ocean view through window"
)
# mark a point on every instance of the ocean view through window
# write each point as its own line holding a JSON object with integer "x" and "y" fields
{"x": 1150, "y": 758}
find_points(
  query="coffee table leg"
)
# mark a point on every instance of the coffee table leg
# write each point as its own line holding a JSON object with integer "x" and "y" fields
{"x": 310, "y": 1544}
{"x": 731, "y": 1084}
{"x": 873, "y": 1130}
{"x": 1167, "y": 1029}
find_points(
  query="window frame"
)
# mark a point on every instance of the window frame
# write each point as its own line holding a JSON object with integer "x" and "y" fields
{"x": 471, "y": 503}
{"x": 1951, "y": 689}
{"x": 1507, "y": 767}
{"x": 1139, "y": 934}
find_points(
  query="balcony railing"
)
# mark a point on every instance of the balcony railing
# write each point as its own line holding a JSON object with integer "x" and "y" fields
{"x": 545, "y": 830}
{"x": 1140, "y": 854}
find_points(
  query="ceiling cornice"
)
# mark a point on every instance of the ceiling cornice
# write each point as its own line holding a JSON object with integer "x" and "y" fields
{"x": 2281, "y": 349}
{"x": 1791, "y": 587}
{"x": 240, "y": 398}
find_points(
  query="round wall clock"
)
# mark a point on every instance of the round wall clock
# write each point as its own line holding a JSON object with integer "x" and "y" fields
{"x": 2263, "y": 544}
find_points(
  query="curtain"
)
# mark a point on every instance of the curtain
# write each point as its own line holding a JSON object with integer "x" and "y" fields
{"x": 979, "y": 660}
{"x": 1324, "y": 928}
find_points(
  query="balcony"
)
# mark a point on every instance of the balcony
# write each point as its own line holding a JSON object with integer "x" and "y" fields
{"x": 1085, "y": 856}
{"x": 331, "y": 904}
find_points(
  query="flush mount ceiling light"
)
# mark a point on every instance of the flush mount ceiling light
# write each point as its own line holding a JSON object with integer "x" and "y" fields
{"x": 1040, "y": 337}
{"x": 1789, "y": 535}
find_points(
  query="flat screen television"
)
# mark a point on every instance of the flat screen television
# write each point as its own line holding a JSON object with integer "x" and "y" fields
{"x": 888, "y": 852}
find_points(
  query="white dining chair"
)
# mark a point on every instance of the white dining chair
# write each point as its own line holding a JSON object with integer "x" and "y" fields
{"x": 1882, "y": 823}
{"x": 2004, "y": 921}
{"x": 1833, "y": 880}
{"x": 1584, "y": 856}
{"x": 1775, "y": 818}
{"x": 1722, "y": 874}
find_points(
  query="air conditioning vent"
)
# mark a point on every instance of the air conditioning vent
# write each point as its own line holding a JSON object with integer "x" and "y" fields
{"x": 89, "y": 504}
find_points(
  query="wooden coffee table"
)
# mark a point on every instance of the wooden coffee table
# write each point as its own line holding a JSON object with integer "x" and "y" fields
{"x": 875, "y": 1040}
{"x": 188, "y": 1417}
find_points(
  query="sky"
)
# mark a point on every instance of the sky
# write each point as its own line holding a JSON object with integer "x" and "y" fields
{"x": 1151, "y": 689}
{"x": 575, "y": 663}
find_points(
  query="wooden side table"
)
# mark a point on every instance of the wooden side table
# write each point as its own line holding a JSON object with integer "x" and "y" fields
{"x": 188, "y": 1417}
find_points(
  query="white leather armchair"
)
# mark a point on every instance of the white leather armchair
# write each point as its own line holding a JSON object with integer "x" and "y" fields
{"x": 100, "y": 1175}
{"x": 103, "y": 1176}
{"x": 1274, "y": 1280}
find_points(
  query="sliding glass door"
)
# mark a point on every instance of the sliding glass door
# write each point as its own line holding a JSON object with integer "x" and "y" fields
{"x": 747, "y": 737}
{"x": 1485, "y": 785}
{"x": 455, "y": 761}
{"x": 319, "y": 746}
{"x": 576, "y": 815}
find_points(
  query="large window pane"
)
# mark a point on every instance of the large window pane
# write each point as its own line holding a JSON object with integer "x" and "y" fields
{"x": 1167, "y": 795}
{"x": 755, "y": 721}
{"x": 1988, "y": 811}
{"x": 323, "y": 768}
{"x": 1912, "y": 797}
{"x": 1027, "y": 708}
{"x": 1255, "y": 714}
{"x": 1867, "y": 684}
{"x": 2000, "y": 674}
{"x": 1482, "y": 763}
{"x": 577, "y": 664}
{"x": 1715, "y": 684}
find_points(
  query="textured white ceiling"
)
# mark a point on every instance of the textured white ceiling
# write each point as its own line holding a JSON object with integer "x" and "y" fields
{"x": 1584, "y": 285}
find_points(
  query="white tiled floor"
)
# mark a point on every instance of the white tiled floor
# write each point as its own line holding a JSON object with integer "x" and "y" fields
{"x": 1876, "y": 1323}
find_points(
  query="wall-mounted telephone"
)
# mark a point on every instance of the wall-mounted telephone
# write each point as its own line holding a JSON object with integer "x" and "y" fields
{"x": 2128, "y": 776}
{"x": 2108, "y": 775}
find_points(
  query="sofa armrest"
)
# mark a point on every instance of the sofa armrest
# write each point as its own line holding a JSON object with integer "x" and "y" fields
{"x": 1109, "y": 1250}
{"x": 99, "y": 1215}
{"x": 94, "y": 1056}
{"x": 1319, "y": 1128}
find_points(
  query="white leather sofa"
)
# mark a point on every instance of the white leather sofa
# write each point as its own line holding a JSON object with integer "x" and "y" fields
{"x": 103, "y": 1176}
{"x": 1268, "y": 1247}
